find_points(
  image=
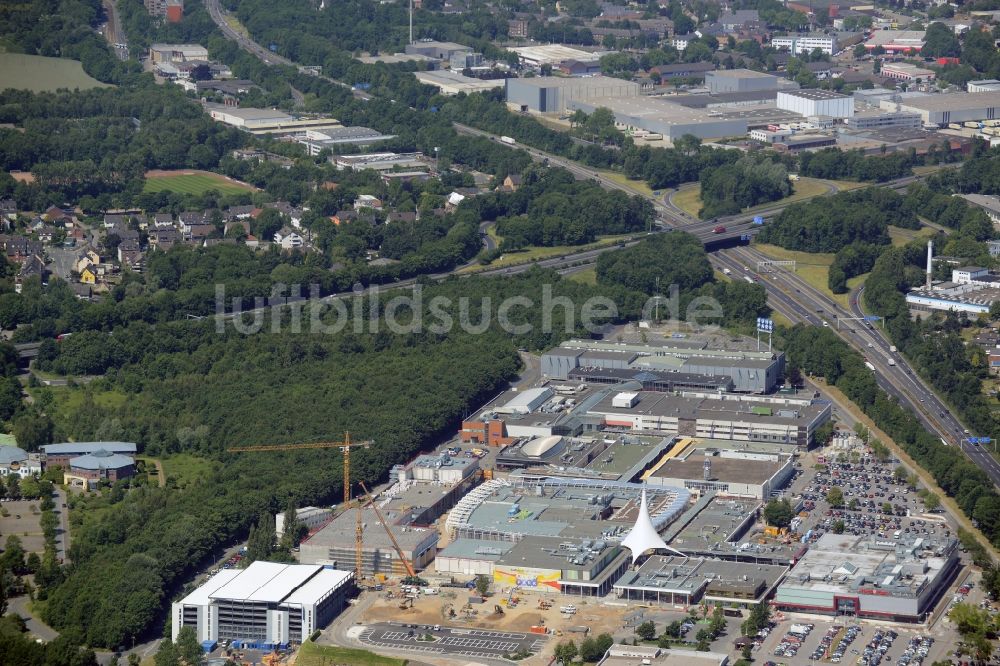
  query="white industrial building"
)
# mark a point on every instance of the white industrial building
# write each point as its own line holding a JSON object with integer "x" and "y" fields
{"x": 982, "y": 85}
{"x": 816, "y": 103}
{"x": 552, "y": 54}
{"x": 452, "y": 83}
{"x": 265, "y": 604}
{"x": 943, "y": 109}
{"x": 799, "y": 44}
{"x": 310, "y": 516}
{"x": 249, "y": 118}
{"x": 904, "y": 71}
{"x": 553, "y": 94}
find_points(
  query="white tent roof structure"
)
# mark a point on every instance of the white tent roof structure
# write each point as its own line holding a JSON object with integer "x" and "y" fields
{"x": 644, "y": 536}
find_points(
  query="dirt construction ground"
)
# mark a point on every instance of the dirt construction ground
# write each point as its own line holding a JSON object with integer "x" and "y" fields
{"x": 434, "y": 609}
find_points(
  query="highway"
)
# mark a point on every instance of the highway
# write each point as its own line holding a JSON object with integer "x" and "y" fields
{"x": 112, "y": 30}
{"x": 793, "y": 297}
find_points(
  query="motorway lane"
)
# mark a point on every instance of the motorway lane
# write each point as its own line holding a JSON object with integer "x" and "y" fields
{"x": 898, "y": 380}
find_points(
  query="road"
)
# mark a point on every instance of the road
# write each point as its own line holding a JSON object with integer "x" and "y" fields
{"x": 112, "y": 30}
{"x": 62, "y": 536}
{"x": 37, "y": 628}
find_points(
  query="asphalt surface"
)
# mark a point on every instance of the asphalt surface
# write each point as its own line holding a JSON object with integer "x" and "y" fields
{"x": 469, "y": 642}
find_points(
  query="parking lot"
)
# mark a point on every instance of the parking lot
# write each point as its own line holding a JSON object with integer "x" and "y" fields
{"x": 851, "y": 643}
{"x": 875, "y": 501}
{"x": 450, "y": 640}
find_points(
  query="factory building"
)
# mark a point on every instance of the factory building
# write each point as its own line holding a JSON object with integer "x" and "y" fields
{"x": 749, "y": 371}
{"x": 266, "y": 605}
{"x": 550, "y": 94}
{"x": 61, "y": 454}
{"x": 944, "y": 109}
{"x": 316, "y": 140}
{"x": 672, "y": 580}
{"x": 806, "y": 44}
{"x": 437, "y": 50}
{"x": 552, "y": 54}
{"x": 453, "y": 83}
{"x": 897, "y": 41}
{"x": 898, "y": 580}
{"x": 808, "y": 103}
{"x": 741, "y": 80}
{"x": 902, "y": 71}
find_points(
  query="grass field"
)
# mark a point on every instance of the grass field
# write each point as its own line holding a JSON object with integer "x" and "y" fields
{"x": 192, "y": 182}
{"x": 813, "y": 268}
{"x": 311, "y": 654}
{"x": 688, "y": 199}
{"x": 41, "y": 74}
{"x": 902, "y": 236}
{"x": 186, "y": 468}
{"x": 586, "y": 276}
{"x": 68, "y": 400}
{"x": 638, "y": 186}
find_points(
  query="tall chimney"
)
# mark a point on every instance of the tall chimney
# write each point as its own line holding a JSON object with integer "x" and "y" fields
{"x": 930, "y": 266}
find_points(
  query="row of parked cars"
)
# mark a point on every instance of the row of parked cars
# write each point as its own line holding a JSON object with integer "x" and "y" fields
{"x": 827, "y": 642}
{"x": 916, "y": 651}
{"x": 792, "y": 641}
{"x": 876, "y": 649}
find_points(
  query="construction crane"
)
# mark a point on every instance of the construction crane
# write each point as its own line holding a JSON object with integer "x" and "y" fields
{"x": 345, "y": 447}
{"x": 395, "y": 544}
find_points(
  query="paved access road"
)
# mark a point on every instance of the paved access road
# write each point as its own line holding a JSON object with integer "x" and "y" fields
{"x": 481, "y": 643}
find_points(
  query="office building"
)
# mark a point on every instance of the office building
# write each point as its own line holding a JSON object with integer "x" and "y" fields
{"x": 878, "y": 119}
{"x": 806, "y": 44}
{"x": 176, "y": 53}
{"x": 61, "y": 454}
{"x": 87, "y": 471}
{"x": 266, "y": 605}
{"x": 171, "y": 10}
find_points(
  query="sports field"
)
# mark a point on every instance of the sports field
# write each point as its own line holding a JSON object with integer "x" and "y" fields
{"x": 192, "y": 182}
{"x": 41, "y": 74}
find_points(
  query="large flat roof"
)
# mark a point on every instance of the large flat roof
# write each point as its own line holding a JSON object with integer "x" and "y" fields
{"x": 319, "y": 586}
{"x": 815, "y": 94}
{"x": 954, "y": 101}
{"x": 722, "y": 469}
{"x": 88, "y": 447}
{"x": 741, "y": 74}
{"x": 340, "y": 532}
{"x": 266, "y": 582}
{"x": 203, "y": 594}
{"x": 554, "y": 53}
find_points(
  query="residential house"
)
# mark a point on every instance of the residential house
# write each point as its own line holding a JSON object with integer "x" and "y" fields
{"x": 288, "y": 238}
{"x": 116, "y": 220}
{"x": 19, "y": 248}
{"x": 36, "y": 225}
{"x": 163, "y": 220}
{"x": 453, "y": 201}
{"x": 367, "y": 201}
{"x": 46, "y": 234}
{"x": 8, "y": 209}
{"x": 821, "y": 70}
{"x": 188, "y": 219}
{"x": 680, "y": 42}
{"x": 83, "y": 291}
{"x": 401, "y": 216}
{"x": 512, "y": 182}
{"x": 58, "y": 215}
{"x": 130, "y": 255}
{"x": 198, "y": 233}
{"x": 344, "y": 216}
{"x": 33, "y": 266}
{"x": 88, "y": 275}
{"x": 164, "y": 239}
{"x": 85, "y": 258}
{"x": 240, "y": 212}
{"x": 517, "y": 28}
{"x": 237, "y": 224}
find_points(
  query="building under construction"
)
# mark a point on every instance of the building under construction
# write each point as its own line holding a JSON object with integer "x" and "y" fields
{"x": 334, "y": 545}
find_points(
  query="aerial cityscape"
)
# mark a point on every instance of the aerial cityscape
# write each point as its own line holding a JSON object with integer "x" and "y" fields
{"x": 458, "y": 332}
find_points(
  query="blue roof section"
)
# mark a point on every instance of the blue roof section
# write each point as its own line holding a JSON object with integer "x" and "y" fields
{"x": 82, "y": 448}
{"x": 101, "y": 460}
{"x": 9, "y": 454}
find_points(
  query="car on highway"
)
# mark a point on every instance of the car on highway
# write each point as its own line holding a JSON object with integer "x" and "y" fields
{"x": 719, "y": 230}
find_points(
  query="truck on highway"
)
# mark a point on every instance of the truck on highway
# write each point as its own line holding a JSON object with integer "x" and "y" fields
{"x": 506, "y": 139}
{"x": 726, "y": 271}
{"x": 869, "y": 366}
{"x": 893, "y": 349}
{"x": 748, "y": 279}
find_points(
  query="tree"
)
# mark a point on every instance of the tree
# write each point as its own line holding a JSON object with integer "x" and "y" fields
{"x": 718, "y": 623}
{"x": 260, "y": 543}
{"x": 838, "y": 526}
{"x": 899, "y": 474}
{"x": 566, "y": 652}
{"x": 167, "y": 654}
{"x": 835, "y": 497}
{"x": 760, "y": 616}
{"x": 593, "y": 649}
{"x": 887, "y": 507}
{"x": 931, "y": 502}
{"x": 663, "y": 642}
{"x": 482, "y": 585}
{"x": 188, "y": 647}
{"x": 32, "y": 430}
{"x": 290, "y": 530}
{"x": 646, "y": 631}
{"x": 134, "y": 659}
{"x": 778, "y": 513}
{"x": 853, "y": 504}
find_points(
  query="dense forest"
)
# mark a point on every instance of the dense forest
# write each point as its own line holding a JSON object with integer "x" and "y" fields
{"x": 827, "y": 224}
{"x": 728, "y": 189}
